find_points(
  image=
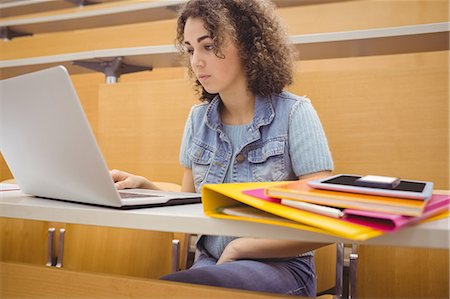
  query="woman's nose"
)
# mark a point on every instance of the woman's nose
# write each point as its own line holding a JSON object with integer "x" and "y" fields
{"x": 197, "y": 60}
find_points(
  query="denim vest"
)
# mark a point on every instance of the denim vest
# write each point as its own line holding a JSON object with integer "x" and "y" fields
{"x": 263, "y": 154}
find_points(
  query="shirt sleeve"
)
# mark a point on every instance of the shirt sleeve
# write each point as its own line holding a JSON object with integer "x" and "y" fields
{"x": 308, "y": 144}
{"x": 186, "y": 142}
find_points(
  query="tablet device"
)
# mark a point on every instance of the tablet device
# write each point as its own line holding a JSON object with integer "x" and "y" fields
{"x": 375, "y": 185}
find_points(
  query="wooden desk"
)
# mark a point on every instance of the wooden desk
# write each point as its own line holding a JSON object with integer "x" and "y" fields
{"x": 190, "y": 219}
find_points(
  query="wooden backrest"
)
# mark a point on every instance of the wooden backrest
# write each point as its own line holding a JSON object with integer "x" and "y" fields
{"x": 26, "y": 281}
{"x": 302, "y": 19}
{"x": 384, "y": 115}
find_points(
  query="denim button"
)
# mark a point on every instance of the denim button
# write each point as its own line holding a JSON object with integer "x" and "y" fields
{"x": 240, "y": 158}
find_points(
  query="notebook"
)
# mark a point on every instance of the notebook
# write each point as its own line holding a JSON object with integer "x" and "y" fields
{"x": 49, "y": 146}
{"x": 300, "y": 190}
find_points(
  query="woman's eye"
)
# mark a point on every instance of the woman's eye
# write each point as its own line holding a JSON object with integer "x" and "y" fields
{"x": 209, "y": 47}
{"x": 190, "y": 51}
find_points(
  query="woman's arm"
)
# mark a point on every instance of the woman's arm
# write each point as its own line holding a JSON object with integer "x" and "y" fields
{"x": 315, "y": 175}
{"x": 251, "y": 248}
{"x": 187, "y": 184}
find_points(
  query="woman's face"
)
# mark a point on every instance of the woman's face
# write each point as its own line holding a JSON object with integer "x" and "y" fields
{"x": 217, "y": 75}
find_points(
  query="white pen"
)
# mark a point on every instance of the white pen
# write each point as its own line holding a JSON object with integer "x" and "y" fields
{"x": 323, "y": 210}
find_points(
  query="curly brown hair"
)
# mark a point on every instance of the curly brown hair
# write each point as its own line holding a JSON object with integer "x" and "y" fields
{"x": 267, "y": 56}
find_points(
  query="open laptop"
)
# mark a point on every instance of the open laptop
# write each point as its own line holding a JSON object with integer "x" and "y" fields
{"x": 48, "y": 144}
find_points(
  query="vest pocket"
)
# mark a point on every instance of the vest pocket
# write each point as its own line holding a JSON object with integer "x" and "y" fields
{"x": 201, "y": 160}
{"x": 267, "y": 161}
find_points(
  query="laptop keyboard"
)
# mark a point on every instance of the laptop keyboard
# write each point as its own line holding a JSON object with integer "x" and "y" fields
{"x": 136, "y": 195}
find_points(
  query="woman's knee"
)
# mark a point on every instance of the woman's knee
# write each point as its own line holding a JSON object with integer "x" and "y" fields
{"x": 180, "y": 276}
{"x": 195, "y": 276}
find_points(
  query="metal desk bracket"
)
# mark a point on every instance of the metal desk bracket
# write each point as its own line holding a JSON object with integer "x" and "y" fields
{"x": 112, "y": 69}
{"x": 81, "y": 2}
{"x": 50, "y": 254}
{"x": 7, "y": 34}
{"x": 353, "y": 271}
{"x": 60, "y": 258}
{"x": 175, "y": 255}
{"x": 346, "y": 258}
{"x": 339, "y": 270}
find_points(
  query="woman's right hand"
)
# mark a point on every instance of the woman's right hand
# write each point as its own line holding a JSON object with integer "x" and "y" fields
{"x": 125, "y": 180}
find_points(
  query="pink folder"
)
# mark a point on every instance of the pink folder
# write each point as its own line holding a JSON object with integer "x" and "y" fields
{"x": 391, "y": 222}
{"x": 380, "y": 221}
{"x": 259, "y": 193}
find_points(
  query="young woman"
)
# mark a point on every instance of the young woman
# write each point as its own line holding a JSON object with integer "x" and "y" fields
{"x": 246, "y": 129}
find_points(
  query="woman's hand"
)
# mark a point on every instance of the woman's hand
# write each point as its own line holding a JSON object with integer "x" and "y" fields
{"x": 127, "y": 180}
{"x": 229, "y": 254}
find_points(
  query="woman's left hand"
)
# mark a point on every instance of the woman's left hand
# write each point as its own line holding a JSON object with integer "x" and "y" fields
{"x": 229, "y": 254}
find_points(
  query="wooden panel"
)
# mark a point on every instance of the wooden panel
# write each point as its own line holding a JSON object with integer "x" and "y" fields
{"x": 5, "y": 173}
{"x": 87, "y": 89}
{"x": 11, "y": 8}
{"x": 73, "y": 10}
{"x": 31, "y": 8}
{"x": 156, "y": 74}
{"x": 334, "y": 16}
{"x": 137, "y": 253}
{"x": 354, "y": 15}
{"x": 370, "y": 63}
{"x": 117, "y": 251}
{"x": 141, "y": 34}
{"x": 387, "y": 121}
{"x": 24, "y": 281}
{"x": 386, "y": 272}
{"x": 141, "y": 125}
{"x": 23, "y": 241}
{"x": 325, "y": 259}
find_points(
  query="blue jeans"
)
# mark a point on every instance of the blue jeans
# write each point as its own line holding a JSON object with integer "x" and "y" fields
{"x": 292, "y": 277}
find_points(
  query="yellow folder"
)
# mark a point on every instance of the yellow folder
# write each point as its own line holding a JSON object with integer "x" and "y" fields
{"x": 217, "y": 197}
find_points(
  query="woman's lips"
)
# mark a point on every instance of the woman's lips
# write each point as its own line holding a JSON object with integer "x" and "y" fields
{"x": 203, "y": 77}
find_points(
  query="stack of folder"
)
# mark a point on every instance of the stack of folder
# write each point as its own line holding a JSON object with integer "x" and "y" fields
{"x": 296, "y": 205}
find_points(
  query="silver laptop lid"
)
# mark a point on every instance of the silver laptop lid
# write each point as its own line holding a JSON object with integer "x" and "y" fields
{"x": 47, "y": 142}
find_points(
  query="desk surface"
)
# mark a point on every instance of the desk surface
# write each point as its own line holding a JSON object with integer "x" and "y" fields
{"x": 191, "y": 219}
